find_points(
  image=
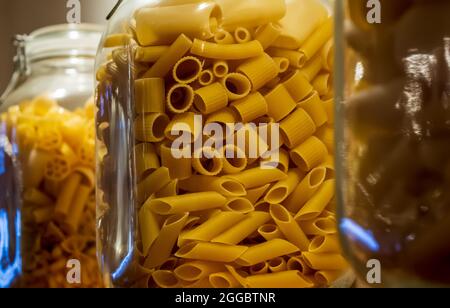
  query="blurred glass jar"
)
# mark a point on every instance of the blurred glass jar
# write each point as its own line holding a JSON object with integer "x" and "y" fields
{"x": 169, "y": 67}
{"x": 393, "y": 132}
{"x": 47, "y": 169}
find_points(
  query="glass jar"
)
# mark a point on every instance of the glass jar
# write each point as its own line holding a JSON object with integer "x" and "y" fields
{"x": 215, "y": 145}
{"x": 47, "y": 168}
{"x": 393, "y": 132}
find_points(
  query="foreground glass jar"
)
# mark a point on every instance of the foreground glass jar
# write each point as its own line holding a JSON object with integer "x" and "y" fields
{"x": 394, "y": 129}
{"x": 215, "y": 145}
{"x": 47, "y": 168}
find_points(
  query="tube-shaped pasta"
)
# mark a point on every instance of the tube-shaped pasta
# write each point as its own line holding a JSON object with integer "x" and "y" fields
{"x": 307, "y": 187}
{"x": 317, "y": 40}
{"x": 206, "y": 78}
{"x": 243, "y": 229}
{"x": 223, "y": 280}
{"x": 226, "y": 52}
{"x": 268, "y": 34}
{"x": 165, "y": 279}
{"x": 250, "y": 107}
{"x": 192, "y": 19}
{"x": 170, "y": 189}
{"x": 329, "y": 109}
{"x": 237, "y": 85}
{"x": 37, "y": 197}
{"x": 220, "y": 68}
{"x": 297, "y": 85}
{"x": 180, "y": 98}
{"x": 224, "y": 116}
{"x": 187, "y": 69}
{"x": 327, "y": 55}
{"x": 282, "y": 63}
{"x": 266, "y": 251}
{"x": 150, "y": 127}
{"x": 149, "y": 228}
{"x": 297, "y": 127}
{"x": 179, "y": 168}
{"x": 322, "y": 84}
{"x": 326, "y": 134}
{"x": 281, "y": 163}
{"x": 42, "y": 215}
{"x": 234, "y": 160}
{"x": 285, "y": 279}
{"x": 324, "y": 244}
{"x": 208, "y": 162}
{"x": 239, "y": 205}
{"x": 152, "y": 183}
{"x": 277, "y": 265}
{"x": 244, "y": 14}
{"x": 66, "y": 196}
{"x": 318, "y": 202}
{"x": 146, "y": 159}
{"x": 279, "y": 103}
{"x": 211, "y": 98}
{"x": 150, "y": 95}
{"x": 72, "y": 221}
{"x": 116, "y": 40}
{"x": 214, "y": 226}
{"x": 319, "y": 226}
{"x": 165, "y": 63}
{"x": 162, "y": 246}
{"x": 300, "y": 21}
{"x": 211, "y": 252}
{"x": 197, "y": 270}
{"x": 259, "y": 70}
{"x": 325, "y": 261}
{"x": 325, "y": 278}
{"x": 296, "y": 59}
{"x": 315, "y": 109}
{"x": 253, "y": 195}
{"x": 150, "y": 54}
{"x": 282, "y": 189}
{"x": 298, "y": 264}
{"x": 312, "y": 68}
{"x": 256, "y": 177}
{"x": 260, "y": 268}
{"x": 289, "y": 227}
{"x": 309, "y": 154}
{"x": 223, "y": 37}
{"x": 270, "y": 232}
{"x": 222, "y": 185}
{"x": 242, "y": 35}
{"x": 180, "y": 125}
{"x": 186, "y": 203}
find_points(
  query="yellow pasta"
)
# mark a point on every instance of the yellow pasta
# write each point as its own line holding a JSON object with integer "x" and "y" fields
{"x": 187, "y": 69}
{"x": 329, "y": 108}
{"x": 327, "y": 55}
{"x": 71, "y": 223}
{"x": 266, "y": 251}
{"x": 211, "y": 98}
{"x": 319, "y": 226}
{"x": 298, "y": 264}
{"x": 327, "y": 277}
{"x": 237, "y": 85}
{"x": 256, "y": 177}
{"x": 242, "y": 35}
{"x": 220, "y": 68}
{"x": 326, "y": 135}
{"x": 234, "y": 160}
{"x": 206, "y": 78}
{"x": 162, "y": 246}
{"x": 297, "y": 85}
{"x": 243, "y": 229}
{"x": 224, "y": 186}
{"x": 296, "y": 59}
{"x": 318, "y": 202}
{"x": 165, "y": 279}
{"x": 201, "y": 22}
{"x": 197, "y": 270}
{"x": 228, "y": 51}
{"x": 223, "y": 280}
{"x": 223, "y": 37}
{"x": 115, "y": 40}
{"x": 279, "y": 103}
{"x": 224, "y": 116}
{"x": 150, "y": 95}
{"x": 260, "y": 268}
{"x": 179, "y": 168}
{"x": 312, "y": 68}
{"x": 283, "y": 65}
{"x": 270, "y": 232}
{"x": 150, "y": 127}
{"x": 309, "y": 154}
{"x": 297, "y": 127}
{"x": 259, "y": 70}
{"x": 253, "y": 195}
{"x": 166, "y": 62}
{"x": 239, "y": 205}
{"x": 316, "y": 41}
{"x": 146, "y": 158}
{"x": 277, "y": 265}
{"x": 251, "y": 107}
{"x": 282, "y": 189}
{"x": 149, "y": 228}
{"x": 211, "y": 252}
{"x": 152, "y": 183}
{"x": 207, "y": 161}
{"x": 180, "y": 125}
{"x": 37, "y": 197}
{"x": 180, "y": 98}
{"x": 170, "y": 189}
{"x": 289, "y": 227}
{"x": 285, "y": 279}
{"x": 326, "y": 261}
{"x": 66, "y": 196}
{"x": 315, "y": 109}
{"x": 322, "y": 84}
{"x": 324, "y": 244}
{"x": 305, "y": 189}
{"x": 150, "y": 54}
{"x": 186, "y": 203}
{"x": 266, "y": 35}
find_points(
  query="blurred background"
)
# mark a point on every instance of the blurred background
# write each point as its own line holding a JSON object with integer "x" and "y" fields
{"x": 25, "y": 16}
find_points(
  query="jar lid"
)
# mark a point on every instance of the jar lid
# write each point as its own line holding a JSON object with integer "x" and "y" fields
{"x": 63, "y": 40}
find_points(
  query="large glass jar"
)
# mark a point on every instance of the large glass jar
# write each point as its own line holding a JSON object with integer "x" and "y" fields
{"x": 47, "y": 165}
{"x": 394, "y": 133}
{"x": 215, "y": 145}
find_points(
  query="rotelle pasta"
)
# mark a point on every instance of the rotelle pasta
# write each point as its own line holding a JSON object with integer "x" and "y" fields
{"x": 231, "y": 144}
{"x": 58, "y": 221}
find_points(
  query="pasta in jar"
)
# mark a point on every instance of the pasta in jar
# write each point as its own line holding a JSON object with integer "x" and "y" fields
{"x": 217, "y": 135}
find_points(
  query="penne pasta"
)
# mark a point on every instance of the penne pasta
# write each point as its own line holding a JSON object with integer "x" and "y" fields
{"x": 149, "y": 228}
{"x": 285, "y": 279}
{"x": 297, "y": 85}
{"x": 256, "y": 177}
{"x": 318, "y": 202}
{"x": 277, "y": 265}
{"x": 239, "y": 205}
{"x": 266, "y": 251}
{"x": 224, "y": 186}
{"x": 179, "y": 168}
{"x": 254, "y": 194}
{"x": 197, "y": 270}
{"x": 211, "y": 252}
{"x": 282, "y": 189}
{"x": 289, "y": 227}
{"x": 270, "y": 232}
{"x": 315, "y": 109}
{"x": 260, "y": 268}
{"x": 326, "y": 261}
